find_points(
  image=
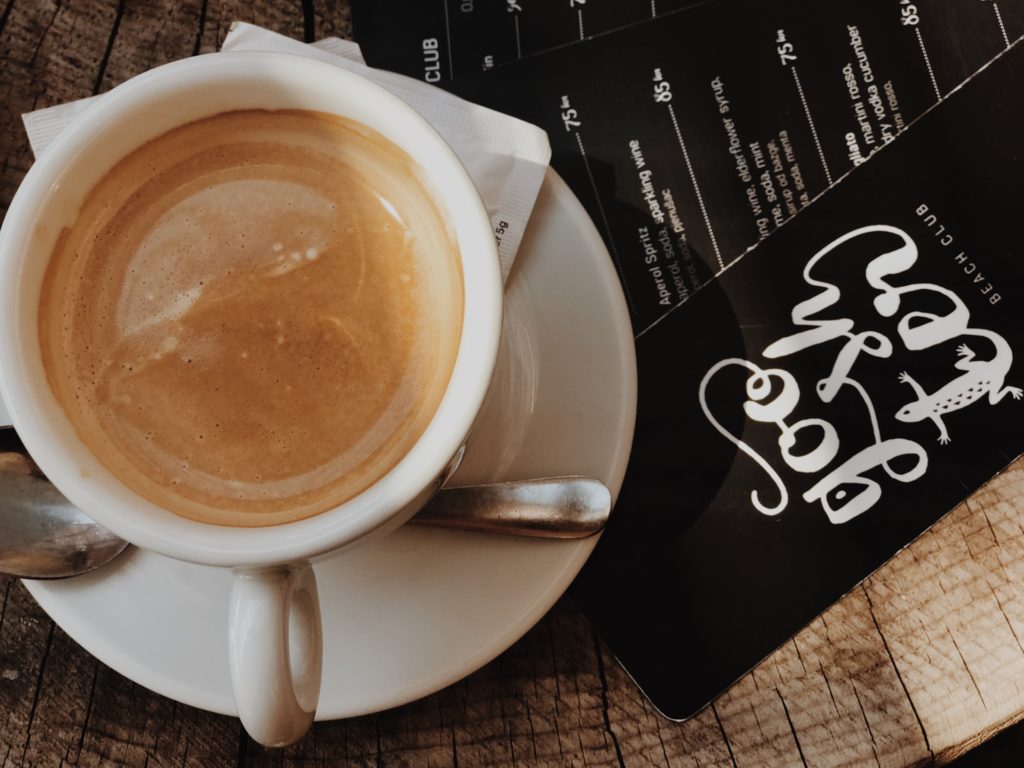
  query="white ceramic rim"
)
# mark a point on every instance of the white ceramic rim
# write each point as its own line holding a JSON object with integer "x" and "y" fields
{"x": 46, "y": 431}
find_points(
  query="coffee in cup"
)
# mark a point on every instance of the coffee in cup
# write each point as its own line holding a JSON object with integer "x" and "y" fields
{"x": 254, "y": 316}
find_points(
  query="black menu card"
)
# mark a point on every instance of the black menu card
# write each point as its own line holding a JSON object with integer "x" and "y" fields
{"x": 822, "y": 403}
{"x": 816, "y": 389}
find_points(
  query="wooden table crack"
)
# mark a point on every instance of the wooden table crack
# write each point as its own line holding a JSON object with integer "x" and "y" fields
{"x": 896, "y": 669}
{"x": 114, "y": 29}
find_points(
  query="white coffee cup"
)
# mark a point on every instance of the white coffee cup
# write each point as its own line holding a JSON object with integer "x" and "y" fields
{"x": 275, "y": 636}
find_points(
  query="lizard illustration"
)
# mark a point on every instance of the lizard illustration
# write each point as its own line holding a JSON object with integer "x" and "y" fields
{"x": 981, "y": 377}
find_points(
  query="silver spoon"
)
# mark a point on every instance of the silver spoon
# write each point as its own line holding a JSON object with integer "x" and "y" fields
{"x": 44, "y": 536}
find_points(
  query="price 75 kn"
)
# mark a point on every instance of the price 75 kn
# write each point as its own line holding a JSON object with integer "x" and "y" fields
{"x": 784, "y": 48}
{"x": 570, "y": 117}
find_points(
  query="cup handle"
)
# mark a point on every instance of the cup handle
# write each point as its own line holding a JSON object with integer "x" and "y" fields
{"x": 275, "y": 648}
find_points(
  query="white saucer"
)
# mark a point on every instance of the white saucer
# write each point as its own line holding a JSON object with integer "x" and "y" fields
{"x": 419, "y": 609}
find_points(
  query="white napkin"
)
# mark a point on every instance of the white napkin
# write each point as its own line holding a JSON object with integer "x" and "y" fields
{"x": 505, "y": 156}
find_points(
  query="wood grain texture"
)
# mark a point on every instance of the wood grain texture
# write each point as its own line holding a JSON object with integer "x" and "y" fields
{"x": 914, "y": 667}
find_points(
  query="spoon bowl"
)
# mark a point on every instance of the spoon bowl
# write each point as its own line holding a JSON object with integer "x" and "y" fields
{"x": 43, "y": 535}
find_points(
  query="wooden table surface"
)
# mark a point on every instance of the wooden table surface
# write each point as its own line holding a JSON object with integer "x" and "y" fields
{"x": 914, "y": 667}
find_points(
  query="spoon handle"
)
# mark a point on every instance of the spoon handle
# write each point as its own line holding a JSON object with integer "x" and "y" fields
{"x": 553, "y": 508}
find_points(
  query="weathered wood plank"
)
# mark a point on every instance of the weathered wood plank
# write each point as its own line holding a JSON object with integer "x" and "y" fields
{"x": 919, "y": 664}
{"x": 26, "y": 640}
{"x": 951, "y": 609}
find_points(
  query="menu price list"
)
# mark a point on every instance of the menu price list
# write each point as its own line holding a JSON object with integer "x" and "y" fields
{"x": 691, "y": 137}
{"x": 440, "y": 40}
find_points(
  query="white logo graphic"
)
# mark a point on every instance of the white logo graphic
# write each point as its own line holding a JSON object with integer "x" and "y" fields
{"x": 772, "y": 394}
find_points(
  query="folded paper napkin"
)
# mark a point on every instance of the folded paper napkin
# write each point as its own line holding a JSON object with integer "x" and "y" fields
{"x": 506, "y": 157}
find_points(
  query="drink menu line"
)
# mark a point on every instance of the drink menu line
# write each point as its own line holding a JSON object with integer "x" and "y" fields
{"x": 609, "y": 237}
{"x": 928, "y": 62}
{"x": 1002, "y": 26}
{"x": 448, "y": 33}
{"x": 810, "y": 124}
{"x": 696, "y": 189}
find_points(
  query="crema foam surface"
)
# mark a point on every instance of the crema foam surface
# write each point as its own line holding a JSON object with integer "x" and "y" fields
{"x": 254, "y": 316}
